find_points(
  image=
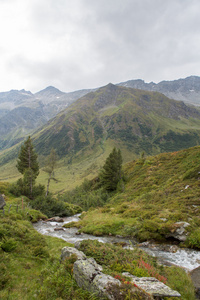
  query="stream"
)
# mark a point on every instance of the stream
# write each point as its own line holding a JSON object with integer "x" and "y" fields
{"x": 186, "y": 258}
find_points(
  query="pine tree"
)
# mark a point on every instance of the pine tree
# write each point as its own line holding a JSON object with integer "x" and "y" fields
{"x": 50, "y": 165}
{"x": 111, "y": 173}
{"x": 27, "y": 165}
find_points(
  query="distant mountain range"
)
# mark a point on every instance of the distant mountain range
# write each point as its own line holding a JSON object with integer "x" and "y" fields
{"x": 132, "y": 119}
{"x": 187, "y": 89}
{"x": 22, "y": 112}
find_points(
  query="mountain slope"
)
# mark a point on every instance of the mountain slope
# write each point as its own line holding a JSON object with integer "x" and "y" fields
{"x": 51, "y": 101}
{"x": 131, "y": 119}
{"x": 159, "y": 192}
{"x": 187, "y": 89}
{"x": 21, "y": 112}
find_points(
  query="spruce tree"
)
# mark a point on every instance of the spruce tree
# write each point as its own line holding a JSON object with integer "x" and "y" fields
{"x": 27, "y": 165}
{"x": 111, "y": 173}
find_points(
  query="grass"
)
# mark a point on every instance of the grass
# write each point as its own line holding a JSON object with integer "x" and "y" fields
{"x": 69, "y": 175}
{"x": 116, "y": 260}
{"x": 165, "y": 186}
{"x": 30, "y": 262}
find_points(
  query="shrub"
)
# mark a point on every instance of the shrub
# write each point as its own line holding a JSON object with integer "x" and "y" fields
{"x": 53, "y": 207}
{"x": 18, "y": 189}
{"x": 9, "y": 245}
{"x": 193, "y": 240}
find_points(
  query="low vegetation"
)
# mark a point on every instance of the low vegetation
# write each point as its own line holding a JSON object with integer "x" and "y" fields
{"x": 31, "y": 268}
{"x": 30, "y": 262}
{"x": 158, "y": 192}
{"x": 149, "y": 197}
{"x": 116, "y": 260}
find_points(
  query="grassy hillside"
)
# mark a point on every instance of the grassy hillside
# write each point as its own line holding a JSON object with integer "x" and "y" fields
{"x": 31, "y": 268}
{"x": 159, "y": 191}
{"x": 84, "y": 134}
{"x": 132, "y": 119}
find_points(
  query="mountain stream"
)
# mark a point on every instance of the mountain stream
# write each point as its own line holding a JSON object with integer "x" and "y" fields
{"x": 186, "y": 258}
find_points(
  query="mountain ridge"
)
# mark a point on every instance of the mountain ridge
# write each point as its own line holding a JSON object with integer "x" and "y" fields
{"x": 184, "y": 89}
{"x": 124, "y": 115}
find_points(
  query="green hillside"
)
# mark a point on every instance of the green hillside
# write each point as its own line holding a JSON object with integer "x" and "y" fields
{"x": 159, "y": 191}
{"x": 84, "y": 134}
{"x": 133, "y": 119}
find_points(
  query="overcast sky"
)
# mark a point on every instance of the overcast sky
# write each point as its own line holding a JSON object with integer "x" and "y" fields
{"x": 77, "y": 44}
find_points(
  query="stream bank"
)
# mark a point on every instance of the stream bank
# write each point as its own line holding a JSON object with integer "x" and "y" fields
{"x": 188, "y": 259}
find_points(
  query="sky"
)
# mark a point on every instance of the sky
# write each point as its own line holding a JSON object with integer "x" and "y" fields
{"x": 81, "y": 44}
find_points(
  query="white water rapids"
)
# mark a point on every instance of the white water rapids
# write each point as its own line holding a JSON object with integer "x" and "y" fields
{"x": 186, "y": 258}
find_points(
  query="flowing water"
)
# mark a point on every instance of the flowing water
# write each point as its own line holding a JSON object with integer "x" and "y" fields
{"x": 186, "y": 258}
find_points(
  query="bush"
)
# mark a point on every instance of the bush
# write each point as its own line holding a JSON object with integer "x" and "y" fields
{"x": 193, "y": 240}
{"x": 9, "y": 245}
{"x": 53, "y": 207}
{"x": 86, "y": 198}
{"x": 18, "y": 189}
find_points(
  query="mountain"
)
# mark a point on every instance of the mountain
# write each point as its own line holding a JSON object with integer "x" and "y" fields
{"x": 21, "y": 112}
{"x": 132, "y": 119}
{"x": 187, "y": 89}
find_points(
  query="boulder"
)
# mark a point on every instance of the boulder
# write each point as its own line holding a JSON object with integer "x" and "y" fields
{"x": 195, "y": 276}
{"x": 101, "y": 285}
{"x": 68, "y": 251}
{"x": 152, "y": 286}
{"x": 2, "y": 201}
{"x": 77, "y": 244}
{"x": 178, "y": 232}
{"x": 88, "y": 276}
{"x": 84, "y": 272}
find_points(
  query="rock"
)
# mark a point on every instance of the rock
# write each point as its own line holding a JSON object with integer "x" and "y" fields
{"x": 84, "y": 272}
{"x": 195, "y": 276}
{"x": 178, "y": 231}
{"x": 77, "y": 244}
{"x": 56, "y": 219}
{"x": 173, "y": 249}
{"x": 94, "y": 263}
{"x": 88, "y": 275}
{"x": 58, "y": 228}
{"x": 163, "y": 219}
{"x": 101, "y": 283}
{"x": 68, "y": 251}
{"x": 152, "y": 286}
{"x": 2, "y": 201}
{"x": 144, "y": 244}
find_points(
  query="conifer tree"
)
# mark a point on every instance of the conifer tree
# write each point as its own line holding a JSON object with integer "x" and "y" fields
{"x": 111, "y": 173}
{"x": 27, "y": 164}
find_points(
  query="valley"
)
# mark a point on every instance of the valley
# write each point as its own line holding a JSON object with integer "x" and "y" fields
{"x": 156, "y": 198}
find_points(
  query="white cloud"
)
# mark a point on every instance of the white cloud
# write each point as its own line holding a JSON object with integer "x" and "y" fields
{"x": 85, "y": 43}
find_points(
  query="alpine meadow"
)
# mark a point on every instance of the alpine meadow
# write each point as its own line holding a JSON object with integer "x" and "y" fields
{"x": 127, "y": 161}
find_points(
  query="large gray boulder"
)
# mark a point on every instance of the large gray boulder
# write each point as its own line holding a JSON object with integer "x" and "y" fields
{"x": 101, "y": 283}
{"x": 88, "y": 275}
{"x": 2, "y": 201}
{"x": 68, "y": 251}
